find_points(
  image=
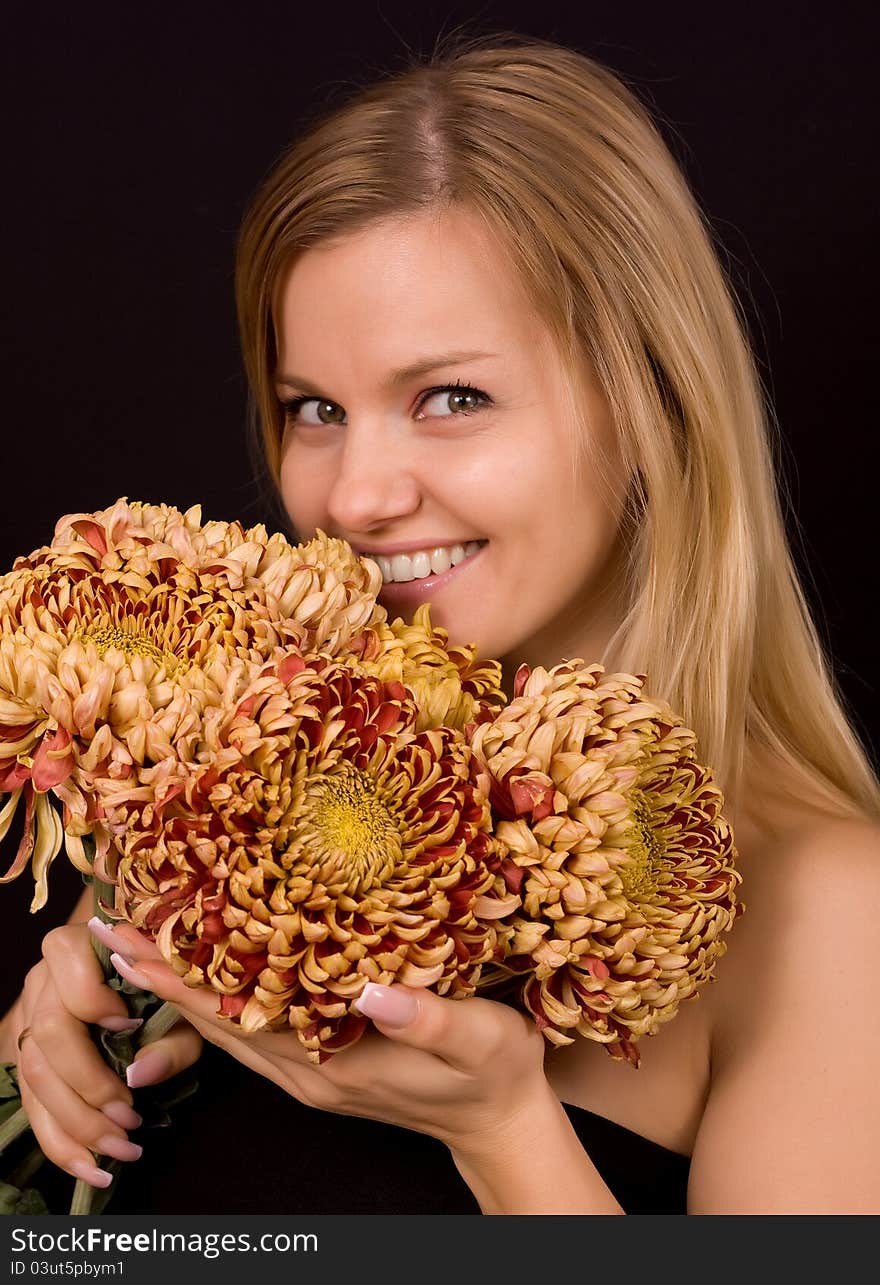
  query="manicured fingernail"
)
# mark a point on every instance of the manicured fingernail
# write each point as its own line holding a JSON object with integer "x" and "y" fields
{"x": 387, "y": 1004}
{"x": 91, "y": 1174}
{"x": 123, "y": 1115}
{"x": 130, "y": 974}
{"x": 120, "y": 1023}
{"x": 118, "y": 1148}
{"x": 107, "y": 936}
{"x": 147, "y": 1069}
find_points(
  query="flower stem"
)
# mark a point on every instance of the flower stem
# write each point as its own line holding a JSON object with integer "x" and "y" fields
{"x": 91, "y": 1200}
{"x": 13, "y": 1128}
{"x": 82, "y": 1198}
{"x": 159, "y": 1024}
{"x": 88, "y": 1199}
{"x": 102, "y": 891}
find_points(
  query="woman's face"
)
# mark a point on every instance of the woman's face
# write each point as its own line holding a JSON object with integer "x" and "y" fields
{"x": 465, "y": 495}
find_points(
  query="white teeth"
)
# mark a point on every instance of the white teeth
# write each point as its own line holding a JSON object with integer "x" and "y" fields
{"x": 426, "y": 562}
{"x": 421, "y": 565}
{"x": 440, "y": 561}
{"x": 401, "y": 567}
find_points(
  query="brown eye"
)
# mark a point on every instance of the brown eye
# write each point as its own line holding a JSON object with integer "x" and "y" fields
{"x": 330, "y": 413}
{"x": 463, "y": 401}
{"x": 327, "y": 412}
{"x": 460, "y": 399}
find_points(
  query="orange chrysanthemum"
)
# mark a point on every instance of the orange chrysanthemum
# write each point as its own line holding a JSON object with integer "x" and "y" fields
{"x": 321, "y": 843}
{"x": 295, "y": 796}
{"x": 612, "y": 833}
{"x": 116, "y": 637}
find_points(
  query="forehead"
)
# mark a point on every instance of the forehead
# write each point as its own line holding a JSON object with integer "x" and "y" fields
{"x": 433, "y": 281}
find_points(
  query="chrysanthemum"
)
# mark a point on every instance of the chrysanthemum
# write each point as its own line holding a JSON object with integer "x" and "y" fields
{"x": 450, "y": 685}
{"x": 117, "y": 636}
{"x": 612, "y": 833}
{"x": 321, "y": 843}
{"x": 332, "y": 596}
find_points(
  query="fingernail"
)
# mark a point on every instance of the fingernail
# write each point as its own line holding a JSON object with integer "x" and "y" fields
{"x": 118, "y": 1148}
{"x": 130, "y": 974}
{"x": 387, "y": 1004}
{"x": 120, "y": 1023}
{"x": 91, "y": 1174}
{"x": 107, "y": 936}
{"x": 147, "y": 1069}
{"x": 123, "y": 1115}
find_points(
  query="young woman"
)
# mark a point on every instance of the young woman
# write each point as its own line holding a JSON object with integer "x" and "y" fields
{"x": 490, "y": 344}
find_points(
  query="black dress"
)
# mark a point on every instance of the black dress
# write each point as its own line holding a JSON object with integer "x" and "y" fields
{"x": 242, "y": 1145}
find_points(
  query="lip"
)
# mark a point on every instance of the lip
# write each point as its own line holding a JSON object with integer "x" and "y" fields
{"x": 412, "y": 593}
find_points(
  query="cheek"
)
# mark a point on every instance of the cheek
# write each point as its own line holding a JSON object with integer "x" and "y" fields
{"x": 304, "y": 489}
{"x": 532, "y": 497}
{"x": 569, "y": 527}
{"x": 511, "y": 494}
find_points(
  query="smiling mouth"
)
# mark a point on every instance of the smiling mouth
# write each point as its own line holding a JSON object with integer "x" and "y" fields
{"x": 425, "y": 564}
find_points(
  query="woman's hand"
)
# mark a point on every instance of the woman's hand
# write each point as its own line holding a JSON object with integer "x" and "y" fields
{"x": 75, "y": 1103}
{"x": 457, "y": 1070}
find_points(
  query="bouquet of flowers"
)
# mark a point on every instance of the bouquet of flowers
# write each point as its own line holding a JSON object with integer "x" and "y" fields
{"x": 293, "y": 795}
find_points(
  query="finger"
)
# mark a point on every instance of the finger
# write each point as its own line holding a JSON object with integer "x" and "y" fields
{"x": 59, "y": 1147}
{"x": 124, "y": 939}
{"x": 252, "y": 1053}
{"x": 34, "y": 981}
{"x": 465, "y": 1033}
{"x": 64, "y": 1151}
{"x": 157, "y": 976}
{"x": 67, "y": 1047}
{"x": 199, "y": 1004}
{"x": 161, "y": 1059}
{"x": 83, "y": 1126}
{"x": 79, "y": 979}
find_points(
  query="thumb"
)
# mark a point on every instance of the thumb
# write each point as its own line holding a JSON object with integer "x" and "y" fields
{"x": 424, "y": 1020}
{"x": 161, "y": 1059}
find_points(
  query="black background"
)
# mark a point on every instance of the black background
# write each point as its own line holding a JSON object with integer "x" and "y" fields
{"x": 134, "y": 135}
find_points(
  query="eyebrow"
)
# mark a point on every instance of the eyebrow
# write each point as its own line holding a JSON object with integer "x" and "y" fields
{"x": 397, "y": 378}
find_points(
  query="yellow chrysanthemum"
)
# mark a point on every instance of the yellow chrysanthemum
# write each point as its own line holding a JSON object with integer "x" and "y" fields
{"x": 449, "y": 684}
{"x": 322, "y": 842}
{"x": 611, "y": 832}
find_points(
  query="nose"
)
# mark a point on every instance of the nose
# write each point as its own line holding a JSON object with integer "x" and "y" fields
{"x": 376, "y": 482}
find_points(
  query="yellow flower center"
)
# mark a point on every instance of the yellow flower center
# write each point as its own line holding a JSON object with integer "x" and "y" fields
{"x": 639, "y": 875}
{"x": 129, "y": 641}
{"x": 352, "y": 826}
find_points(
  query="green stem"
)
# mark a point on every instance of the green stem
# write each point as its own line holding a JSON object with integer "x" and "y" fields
{"x": 91, "y": 1200}
{"x": 13, "y": 1128}
{"x": 159, "y": 1024}
{"x": 82, "y": 1198}
{"x": 84, "y": 1195}
{"x": 102, "y": 891}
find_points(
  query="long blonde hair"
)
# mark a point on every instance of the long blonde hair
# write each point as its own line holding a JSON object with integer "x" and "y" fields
{"x": 565, "y": 167}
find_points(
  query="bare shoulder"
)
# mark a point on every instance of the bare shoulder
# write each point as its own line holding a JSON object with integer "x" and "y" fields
{"x": 811, "y": 892}
{"x": 790, "y": 1122}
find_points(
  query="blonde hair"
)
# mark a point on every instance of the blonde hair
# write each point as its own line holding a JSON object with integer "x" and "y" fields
{"x": 565, "y": 167}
